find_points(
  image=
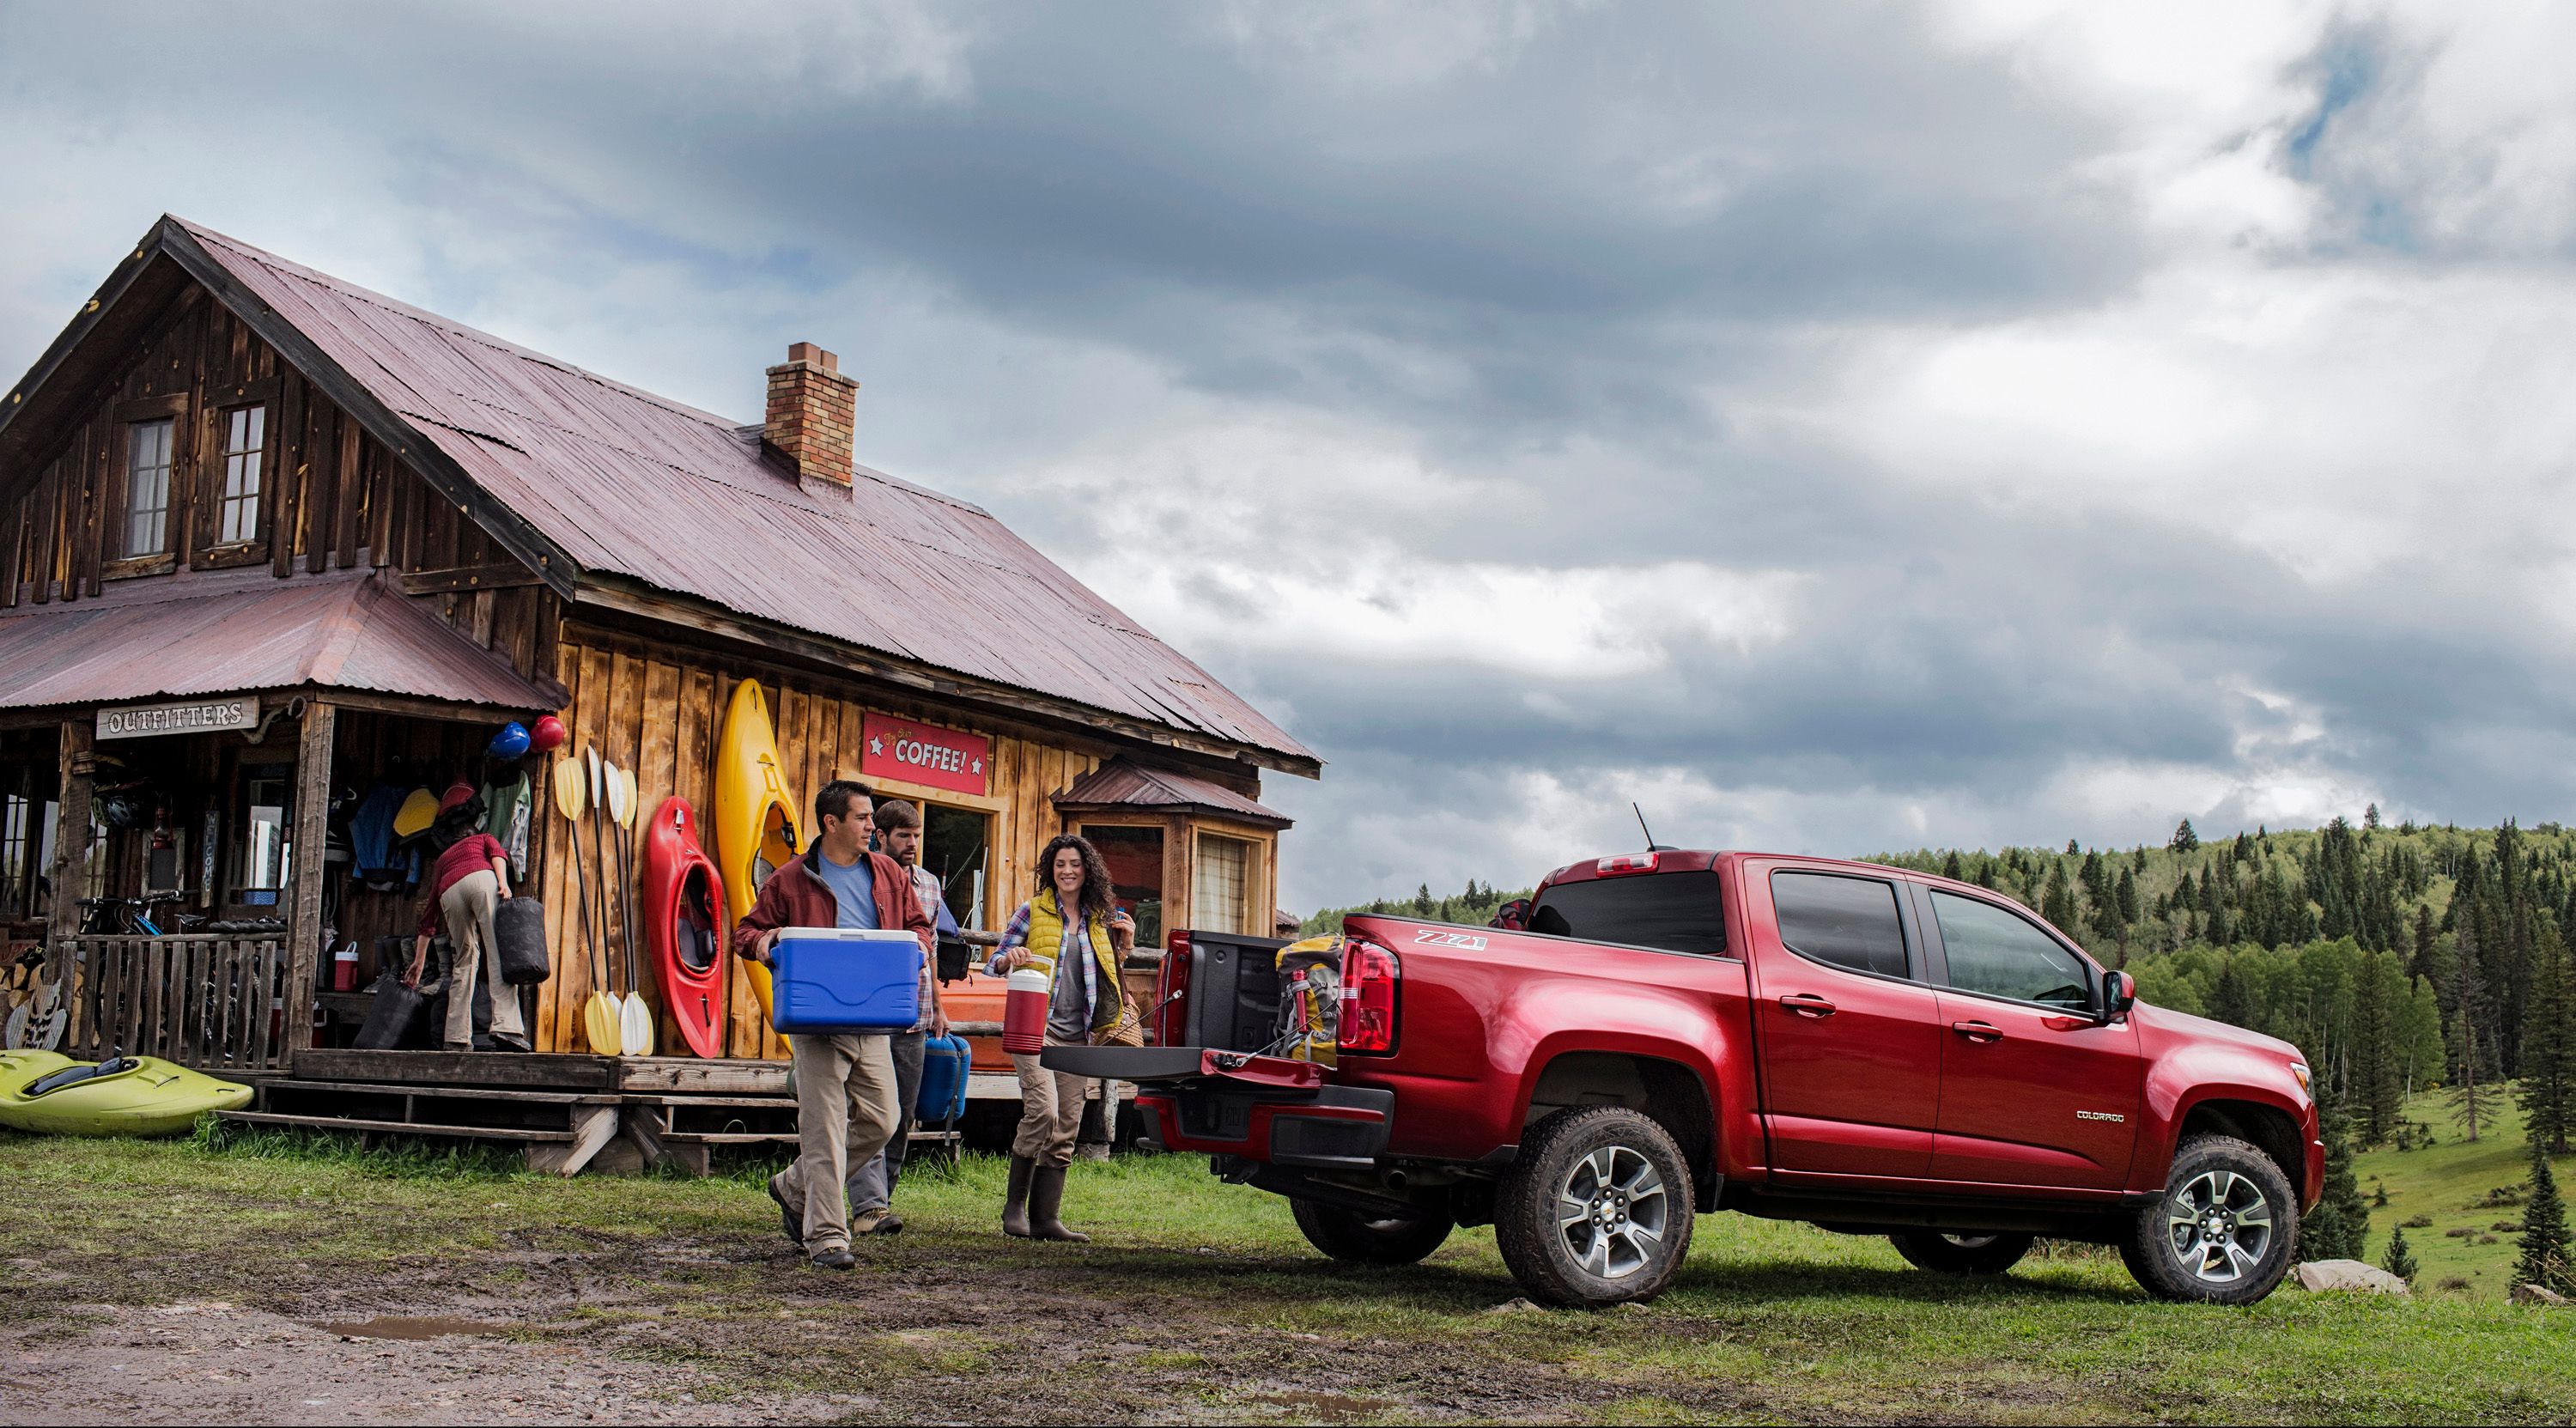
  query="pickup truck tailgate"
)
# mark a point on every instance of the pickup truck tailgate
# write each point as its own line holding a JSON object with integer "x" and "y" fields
{"x": 1209, "y": 1101}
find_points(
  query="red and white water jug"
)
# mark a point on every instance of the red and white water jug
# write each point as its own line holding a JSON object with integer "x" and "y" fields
{"x": 344, "y": 968}
{"x": 1024, "y": 1012}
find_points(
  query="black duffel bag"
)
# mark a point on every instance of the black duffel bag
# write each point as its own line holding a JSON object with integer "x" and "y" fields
{"x": 392, "y": 1016}
{"x": 519, "y": 929}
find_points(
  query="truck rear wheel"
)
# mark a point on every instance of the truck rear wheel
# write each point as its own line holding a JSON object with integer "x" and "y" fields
{"x": 1945, "y": 1253}
{"x": 1357, "y": 1237}
{"x": 2224, "y": 1231}
{"x": 1596, "y": 1211}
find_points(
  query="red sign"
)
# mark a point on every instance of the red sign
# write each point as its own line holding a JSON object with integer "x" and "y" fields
{"x": 918, "y": 753}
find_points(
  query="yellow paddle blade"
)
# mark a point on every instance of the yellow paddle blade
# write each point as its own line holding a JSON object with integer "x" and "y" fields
{"x": 599, "y": 1026}
{"x": 626, "y": 812}
{"x": 568, "y": 786}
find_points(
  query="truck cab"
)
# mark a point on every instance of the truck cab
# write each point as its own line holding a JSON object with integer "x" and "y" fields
{"x": 1873, "y": 1050}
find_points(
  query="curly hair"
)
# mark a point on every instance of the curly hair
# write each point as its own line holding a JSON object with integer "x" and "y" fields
{"x": 1097, "y": 895}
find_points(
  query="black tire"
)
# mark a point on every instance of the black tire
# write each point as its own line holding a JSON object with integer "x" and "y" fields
{"x": 1356, "y": 1237}
{"x": 1630, "y": 1256}
{"x": 2195, "y": 1245}
{"x": 1946, "y": 1253}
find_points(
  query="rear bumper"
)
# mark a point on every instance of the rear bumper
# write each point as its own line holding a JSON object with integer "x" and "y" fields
{"x": 1332, "y": 1128}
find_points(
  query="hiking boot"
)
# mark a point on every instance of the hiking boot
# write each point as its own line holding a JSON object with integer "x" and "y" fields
{"x": 889, "y": 1223}
{"x": 872, "y": 1222}
{"x": 1015, "y": 1200}
{"x": 789, "y": 1221}
{"x": 838, "y": 1257}
{"x": 1046, "y": 1198}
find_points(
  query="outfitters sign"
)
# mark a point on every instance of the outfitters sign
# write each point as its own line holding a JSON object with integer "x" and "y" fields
{"x": 191, "y": 716}
{"x": 918, "y": 753}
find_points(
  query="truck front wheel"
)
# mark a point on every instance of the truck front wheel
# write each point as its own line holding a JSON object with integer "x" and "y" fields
{"x": 1597, "y": 1209}
{"x": 1946, "y": 1253}
{"x": 2224, "y": 1231}
{"x": 1357, "y": 1237}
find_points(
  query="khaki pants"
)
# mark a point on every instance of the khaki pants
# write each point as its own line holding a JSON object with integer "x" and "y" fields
{"x": 1050, "y": 1113}
{"x": 845, "y": 1111}
{"x": 467, "y": 908}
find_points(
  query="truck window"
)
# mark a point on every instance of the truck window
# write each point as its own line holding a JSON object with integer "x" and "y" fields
{"x": 1671, "y": 912}
{"x": 1992, "y": 951}
{"x": 1849, "y": 923}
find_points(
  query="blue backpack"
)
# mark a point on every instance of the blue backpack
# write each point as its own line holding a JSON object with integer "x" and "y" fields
{"x": 945, "y": 1062}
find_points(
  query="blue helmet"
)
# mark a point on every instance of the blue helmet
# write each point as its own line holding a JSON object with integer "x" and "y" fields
{"x": 510, "y": 743}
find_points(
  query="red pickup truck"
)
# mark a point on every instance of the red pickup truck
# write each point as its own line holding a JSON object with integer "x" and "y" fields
{"x": 1875, "y": 1051}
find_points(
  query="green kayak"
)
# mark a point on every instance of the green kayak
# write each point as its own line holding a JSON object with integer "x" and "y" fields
{"x": 126, "y": 1095}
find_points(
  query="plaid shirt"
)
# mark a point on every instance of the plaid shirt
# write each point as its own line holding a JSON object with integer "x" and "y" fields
{"x": 1076, "y": 936}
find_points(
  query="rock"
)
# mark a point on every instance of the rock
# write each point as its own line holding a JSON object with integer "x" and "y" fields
{"x": 2351, "y": 1275}
{"x": 1515, "y": 1306}
{"x": 2534, "y": 1294}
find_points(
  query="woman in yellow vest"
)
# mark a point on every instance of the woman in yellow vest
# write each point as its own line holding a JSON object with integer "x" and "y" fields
{"x": 1074, "y": 931}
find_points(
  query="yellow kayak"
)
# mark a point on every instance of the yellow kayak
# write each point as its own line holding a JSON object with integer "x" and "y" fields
{"x": 755, "y": 812}
{"x": 127, "y": 1095}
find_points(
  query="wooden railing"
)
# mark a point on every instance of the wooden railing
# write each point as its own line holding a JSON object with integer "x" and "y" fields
{"x": 215, "y": 1002}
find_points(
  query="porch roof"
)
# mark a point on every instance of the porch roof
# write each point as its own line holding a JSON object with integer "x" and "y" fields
{"x": 1122, "y": 783}
{"x": 240, "y": 631}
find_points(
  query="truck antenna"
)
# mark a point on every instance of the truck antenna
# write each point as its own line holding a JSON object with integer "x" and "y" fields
{"x": 1641, "y": 825}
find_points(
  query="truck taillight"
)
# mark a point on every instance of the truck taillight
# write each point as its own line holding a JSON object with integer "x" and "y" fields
{"x": 1171, "y": 1019}
{"x": 1368, "y": 997}
{"x": 1624, "y": 863}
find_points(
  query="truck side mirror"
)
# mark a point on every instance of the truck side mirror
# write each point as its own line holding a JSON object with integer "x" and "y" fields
{"x": 2119, "y": 993}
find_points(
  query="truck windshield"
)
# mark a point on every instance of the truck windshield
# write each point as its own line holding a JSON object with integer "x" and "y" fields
{"x": 1673, "y": 912}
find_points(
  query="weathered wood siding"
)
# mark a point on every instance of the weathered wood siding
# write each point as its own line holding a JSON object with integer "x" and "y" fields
{"x": 332, "y": 496}
{"x": 660, "y": 711}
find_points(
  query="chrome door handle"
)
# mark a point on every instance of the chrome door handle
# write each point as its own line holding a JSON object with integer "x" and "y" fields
{"x": 1808, "y": 1004}
{"x": 1978, "y": 1030}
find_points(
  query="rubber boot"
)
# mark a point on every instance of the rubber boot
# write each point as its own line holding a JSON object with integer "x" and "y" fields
{"x": 1046, "y": 1199}
{"x": 1015, "y": 1201}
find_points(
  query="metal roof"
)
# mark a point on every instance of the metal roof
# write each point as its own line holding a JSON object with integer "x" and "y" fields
{"x": 625, "y": 482}
{"x": 237, "y": 631}
{"x": 1122, "y": 784}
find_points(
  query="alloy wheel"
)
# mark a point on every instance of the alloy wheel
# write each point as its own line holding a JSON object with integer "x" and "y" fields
{"x": 2220, "y": 1226}
{"x": 1613, "y": 1211}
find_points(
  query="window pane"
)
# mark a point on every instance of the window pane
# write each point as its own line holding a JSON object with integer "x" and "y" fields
{"x": 1993, "y": 951}
{"x": 1135, "y": 859}
{"x": 244, "y": 430}
{"x": 147, "y": 487}
{"x": 1842, "y": 922}
{"x": 1217, "y": 887}
{"x": 1674, "y": 912}
{"x": 955, "y": 846}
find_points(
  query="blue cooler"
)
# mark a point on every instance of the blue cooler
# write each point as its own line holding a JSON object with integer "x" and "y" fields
{"x": 945, "y": 1064}
{"x": 832, "y": 981}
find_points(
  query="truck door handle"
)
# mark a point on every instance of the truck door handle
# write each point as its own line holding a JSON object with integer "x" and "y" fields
{"x": 1808, "y": 1004}
{"x": 1978, "y": 1030}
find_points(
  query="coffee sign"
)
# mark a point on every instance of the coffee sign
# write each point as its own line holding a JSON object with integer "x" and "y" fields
{"x": 919, "y": 753}
{"x": 186, "y": 716}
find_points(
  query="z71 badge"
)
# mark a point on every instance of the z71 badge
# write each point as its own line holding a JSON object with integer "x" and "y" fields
{"x": 1463, "y": 941}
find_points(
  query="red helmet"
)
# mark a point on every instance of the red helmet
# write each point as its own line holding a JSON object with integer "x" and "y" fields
{"x": 546, "y": 735}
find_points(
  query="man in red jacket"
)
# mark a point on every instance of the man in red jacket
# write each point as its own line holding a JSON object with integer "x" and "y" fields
{"x": 845, "y": 1085}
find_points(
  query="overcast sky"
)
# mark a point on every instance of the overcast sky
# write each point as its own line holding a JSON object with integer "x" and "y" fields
{"x": 1838, "y": 429}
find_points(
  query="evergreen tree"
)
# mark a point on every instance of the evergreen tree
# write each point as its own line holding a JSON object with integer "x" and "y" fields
{"x": 2370, "y": 818}
{"x": 2548, "y": 1092}
{"x": 1422, "y": 903}
{"x": 2057, "y": 904}
{"x": 2398, "y": 1260}
{"x": 2469, "y": 1093}
{"x": 2338, "y": 1226}
{"x": 2544, "y": 1260}
{"x": 2183, "y": 840}
{"x": 2233, "y": 999}
{"x": 1950, "y": 867}
{"x": 2379, "y": 1075}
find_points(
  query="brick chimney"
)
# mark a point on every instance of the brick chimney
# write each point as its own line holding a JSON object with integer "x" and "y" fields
{"x": 812, "y": 408}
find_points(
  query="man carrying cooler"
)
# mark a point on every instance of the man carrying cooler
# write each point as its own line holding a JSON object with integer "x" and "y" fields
{"x": 845, "y": 1085}
{"x": 872, "y": 1182}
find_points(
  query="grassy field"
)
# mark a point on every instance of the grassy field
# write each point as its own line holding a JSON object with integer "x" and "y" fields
{"x": 2449, "y": 1183}
{"x": 1199, "y": 1302}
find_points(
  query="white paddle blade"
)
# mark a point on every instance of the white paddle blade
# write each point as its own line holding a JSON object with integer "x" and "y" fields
{"x": 618, "y": 804}
{"x": 635, "y": 1025}
{"x": 596, "y": 792}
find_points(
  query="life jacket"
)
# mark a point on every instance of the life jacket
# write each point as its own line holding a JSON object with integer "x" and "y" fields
{"x": 1046, "y": 938}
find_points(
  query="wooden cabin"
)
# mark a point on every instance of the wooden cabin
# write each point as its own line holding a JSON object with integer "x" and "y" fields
{"x": 275, "y": 544}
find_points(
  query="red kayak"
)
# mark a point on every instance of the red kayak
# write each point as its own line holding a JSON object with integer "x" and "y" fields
{"x": 684, "y": 924}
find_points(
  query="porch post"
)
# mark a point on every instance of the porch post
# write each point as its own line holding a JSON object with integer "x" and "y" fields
{"x": 304, "y": 923}
{"x": 67, "y": 874}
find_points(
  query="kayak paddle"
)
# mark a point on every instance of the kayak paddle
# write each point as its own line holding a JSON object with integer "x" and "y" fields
{"x": 599, "y": 1012}
{"x": 635, "y": 1018}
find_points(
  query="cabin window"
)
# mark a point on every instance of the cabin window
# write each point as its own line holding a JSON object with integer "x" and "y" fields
{"x": 245, "y": 441}
{"x": 17, "y": 823}
{"x": 265, "y": 858}
{"x": 1221, "y": 885}
{"x": 1135, "y": 859}
{"x": 956, "y": 846}
{"x": 147, "y": 487}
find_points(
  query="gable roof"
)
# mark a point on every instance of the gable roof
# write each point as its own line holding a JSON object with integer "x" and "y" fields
{"x": 1122, "y": 783}
{"x": 567, "y": 468}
